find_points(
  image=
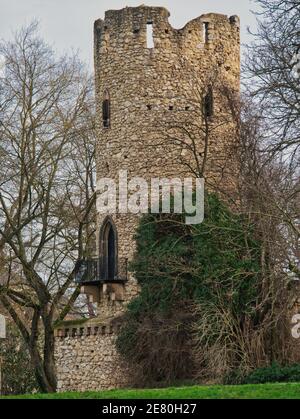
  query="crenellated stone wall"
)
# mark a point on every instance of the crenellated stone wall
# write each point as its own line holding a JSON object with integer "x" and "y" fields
{"x": 87, "y": 358}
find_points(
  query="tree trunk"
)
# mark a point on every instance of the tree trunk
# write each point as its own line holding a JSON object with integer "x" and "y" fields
{"x": 44, "y": 366}
{"x": 49, "y": 348}
{"x": 45, "y": 385}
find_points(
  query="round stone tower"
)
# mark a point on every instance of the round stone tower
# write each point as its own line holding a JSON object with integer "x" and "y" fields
{"x": 155, "y": 84}
{"x": 165, "y": 108}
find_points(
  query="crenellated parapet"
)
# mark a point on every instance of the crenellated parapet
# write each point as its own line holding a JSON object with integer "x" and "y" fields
{"x": 126, "y": 29}
{"x": 86, "y": 328}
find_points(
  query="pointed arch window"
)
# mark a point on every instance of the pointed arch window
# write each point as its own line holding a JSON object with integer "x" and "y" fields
{"x": 106, "y": 109}
{"x": 108, "y": 251}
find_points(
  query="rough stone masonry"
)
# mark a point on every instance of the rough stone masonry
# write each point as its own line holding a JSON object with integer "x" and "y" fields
{"x": 149, "y": 90}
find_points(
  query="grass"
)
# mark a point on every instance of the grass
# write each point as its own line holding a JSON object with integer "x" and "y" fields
{"x": 261, "y": 391}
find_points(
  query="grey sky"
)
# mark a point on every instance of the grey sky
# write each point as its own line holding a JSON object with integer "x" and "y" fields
{"x": 68, "y": 24}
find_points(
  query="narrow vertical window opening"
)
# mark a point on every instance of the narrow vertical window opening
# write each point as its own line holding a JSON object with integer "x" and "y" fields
{"x": 111, "y": 255}
{"x": 205, "y": 32}
{"x": 150, "y": 37}
{"x": 106, "y": 110}
{"x": 208, "y": 103}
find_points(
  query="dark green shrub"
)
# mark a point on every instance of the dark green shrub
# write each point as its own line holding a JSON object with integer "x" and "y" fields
{"x": 179, "y": 267}
{"x": 234, "y": 377}
{"x": 274, "y": 374}
{"x": 17, "y": 371}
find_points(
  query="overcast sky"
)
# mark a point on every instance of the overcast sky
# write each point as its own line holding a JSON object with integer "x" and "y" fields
{"x": 68, "y": 24}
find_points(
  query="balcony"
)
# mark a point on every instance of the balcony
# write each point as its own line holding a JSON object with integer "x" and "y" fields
{"x": 93, "y": 272}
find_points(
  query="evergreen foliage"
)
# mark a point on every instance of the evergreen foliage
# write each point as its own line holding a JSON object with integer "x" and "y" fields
{"x": 180, "y": 267}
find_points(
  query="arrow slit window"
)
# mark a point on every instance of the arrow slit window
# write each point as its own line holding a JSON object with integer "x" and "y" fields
{"x": 150, "y": 37}
{"x": 106, "y": 109}
{"x": 208, "y": 103}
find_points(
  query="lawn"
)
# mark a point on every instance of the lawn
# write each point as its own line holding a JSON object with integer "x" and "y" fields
{"x": 263, "y": 391}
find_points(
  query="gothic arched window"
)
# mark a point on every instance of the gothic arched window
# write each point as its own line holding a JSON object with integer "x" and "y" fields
{"x": 108, "y": 251}
{"x": 106, "y": 109}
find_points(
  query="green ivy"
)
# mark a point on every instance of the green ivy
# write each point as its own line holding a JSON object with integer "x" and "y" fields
{"x": 17, "y": 371}
{"x": 176, "y": 264}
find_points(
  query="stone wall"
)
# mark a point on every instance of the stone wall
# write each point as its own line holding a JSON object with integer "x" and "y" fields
{"x": 87, "y": 358}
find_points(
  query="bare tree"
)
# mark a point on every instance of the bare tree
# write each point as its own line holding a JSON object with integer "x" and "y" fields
{"x": 271, "y": 76}
{"x": 46, "y": 188}
{"x": 258, "y": 172}
{"x": 203, "y": 142}
{"x": 272, "y": 80}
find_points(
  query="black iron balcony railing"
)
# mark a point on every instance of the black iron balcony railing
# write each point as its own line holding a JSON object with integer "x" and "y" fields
{"x": 90, "y": 272}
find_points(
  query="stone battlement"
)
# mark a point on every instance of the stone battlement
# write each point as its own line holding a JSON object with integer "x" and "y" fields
{"x": 132, "y": 22}
{"x": 88, "y": 359}
{"x": 87, "y": 328}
